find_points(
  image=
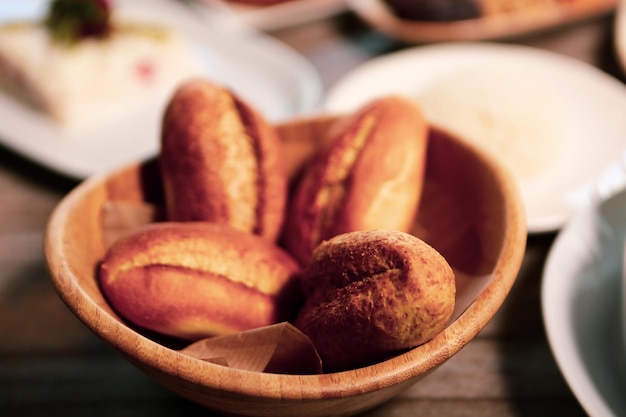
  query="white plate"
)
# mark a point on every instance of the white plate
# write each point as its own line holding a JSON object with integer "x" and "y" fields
{"x": 581, "y": 302}
{"x": 282, "y": 15}
{"x": 272, "y": 77}
{"x": 592, "y": 110}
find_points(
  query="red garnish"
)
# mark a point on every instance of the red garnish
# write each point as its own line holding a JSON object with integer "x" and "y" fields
{"x": 145, "y": 69}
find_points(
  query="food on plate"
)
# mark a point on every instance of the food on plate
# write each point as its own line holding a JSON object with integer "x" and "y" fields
{"x": 370, "y": 176}
{"x": 83, "y": 64}
{"x": 517, "y": 118}
{"x": 261, "y": 2}
{"x": 455, "y": 10}
{"x": 221, "y": 161}
{"x": 195, "y": 279}
{"x": 371, "y": 294}
{"x": 435, "y": 10}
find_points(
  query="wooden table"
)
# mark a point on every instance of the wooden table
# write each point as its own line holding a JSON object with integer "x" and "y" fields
{"x": 50, "y": 364}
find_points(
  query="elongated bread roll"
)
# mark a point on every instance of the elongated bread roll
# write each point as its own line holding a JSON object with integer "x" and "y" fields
{"x": 195, "y": 279}
{"x": 370, "y": 176}
{"x": 221, "y": 161}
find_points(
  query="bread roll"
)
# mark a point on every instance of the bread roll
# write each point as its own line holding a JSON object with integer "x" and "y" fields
{"x": 221, "y": 161}
{"x": 372, "y": 294}
{"x": 194, "y": 279}
{"x": 370, "y": 176}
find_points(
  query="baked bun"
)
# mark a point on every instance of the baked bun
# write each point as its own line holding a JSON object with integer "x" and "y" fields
{"x": 221, "y": 161}
{"x": 370, "y": 176}
{"x": 372, "y": 294}
{"x": 193, "y": 280}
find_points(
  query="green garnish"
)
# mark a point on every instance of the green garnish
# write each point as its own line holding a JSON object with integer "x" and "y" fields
{"x": 69, "y": 21}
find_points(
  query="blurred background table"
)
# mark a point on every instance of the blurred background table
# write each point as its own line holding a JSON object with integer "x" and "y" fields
{"x": 50, "y": 364}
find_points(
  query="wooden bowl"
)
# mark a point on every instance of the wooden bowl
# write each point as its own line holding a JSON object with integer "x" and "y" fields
{"x": 471, "y": 212}
{"x": 378, "y": 15}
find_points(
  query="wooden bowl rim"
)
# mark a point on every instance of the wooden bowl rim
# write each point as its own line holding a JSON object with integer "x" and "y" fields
{"x": 342, "y": 384}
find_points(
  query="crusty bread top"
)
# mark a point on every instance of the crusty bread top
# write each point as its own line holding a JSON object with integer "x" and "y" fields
{"x": 364, "y": 256}
{"x": 201, "y": 246}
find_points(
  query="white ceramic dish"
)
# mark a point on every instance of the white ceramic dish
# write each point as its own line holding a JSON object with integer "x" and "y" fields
{"x": 282, "y": 15}
{"x": 581, "y": 301}
{"x": 591, "y": 110}
{"x": 269, "y": 75}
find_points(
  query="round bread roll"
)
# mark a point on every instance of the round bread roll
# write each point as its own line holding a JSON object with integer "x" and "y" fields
{"x": 370, "y": 176}
{"x": 372, "y": 294}
{"x": 193, "y": 280}
{"x": 221, "y": 161}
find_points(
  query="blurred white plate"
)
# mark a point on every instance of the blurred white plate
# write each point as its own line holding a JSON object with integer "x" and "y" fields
{"x": 282, "y": 15}
{"x": 272, "y": 77}
{"x": 592, "y": 110}
{"x": 581, "y": 302}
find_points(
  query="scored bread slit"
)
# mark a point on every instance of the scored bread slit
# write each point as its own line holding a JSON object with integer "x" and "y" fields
{"x": 192, "y": 260}
{"x": 260, "y": 198}
{"x": 240, "y": 155}
{"x": 333, "y": 191}
{"x": 225, "y": 276}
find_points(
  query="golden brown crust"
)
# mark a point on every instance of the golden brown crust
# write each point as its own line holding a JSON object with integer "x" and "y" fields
{"x": 221, "y": 161}
{"x": 369, "y": 177}
{"x": 195, "y": 279}
{"x": 371, "y": 294}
